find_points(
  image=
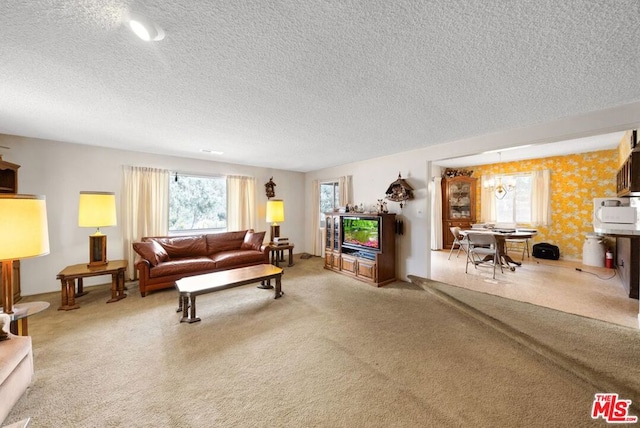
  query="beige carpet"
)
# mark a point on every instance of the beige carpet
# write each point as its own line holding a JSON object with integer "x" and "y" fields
{"x": 333, "y": 352}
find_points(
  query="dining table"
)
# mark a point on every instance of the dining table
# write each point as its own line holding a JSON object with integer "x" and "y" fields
{"x": 502, "y": 236}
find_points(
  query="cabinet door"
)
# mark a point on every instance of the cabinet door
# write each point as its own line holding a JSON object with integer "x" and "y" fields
{"x": 328, "y": 224}
{"x": 335, "y": 261}
{"x": 460, "y": 199}
{"x": 367, "y": 269}
{"x": 349, "y": 264}
{"x": 336, "y": 233}
{"x": 328, "y": 257}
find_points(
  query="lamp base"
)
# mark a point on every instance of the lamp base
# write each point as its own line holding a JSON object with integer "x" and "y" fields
{"x": 7, "y": 286}
{"x": 97, "y": 250}
{"x": 275, "y": 232}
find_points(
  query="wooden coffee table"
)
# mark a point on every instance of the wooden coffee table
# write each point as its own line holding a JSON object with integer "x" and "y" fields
{"x": 196, "y": 285}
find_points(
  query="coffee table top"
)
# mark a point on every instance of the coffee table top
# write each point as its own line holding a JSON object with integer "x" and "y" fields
{"x": 227, "y": 278}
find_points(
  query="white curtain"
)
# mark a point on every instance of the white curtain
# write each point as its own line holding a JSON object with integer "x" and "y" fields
{"x": 145, "y": 207}
{"x": 241, "y": 203}
{"x": 345, "y": 190}
{"x": 541, "y": 198}
{"x": 316, "y": 233}
{"x": 436, "y": 218}
{"x": 488, "y": 211}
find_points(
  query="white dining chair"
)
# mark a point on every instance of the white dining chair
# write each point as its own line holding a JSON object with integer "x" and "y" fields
{"x": 459, "y": 240}
{"x": 482, "y": 248}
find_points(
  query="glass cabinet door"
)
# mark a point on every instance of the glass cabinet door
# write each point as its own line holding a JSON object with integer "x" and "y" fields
{"x": 459, "y": 200}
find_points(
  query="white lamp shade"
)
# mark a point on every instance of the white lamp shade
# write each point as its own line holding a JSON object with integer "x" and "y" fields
{"x": 97, "y": 209}
{"x": 275, "y": 210}
{"x": 23, "y": 226}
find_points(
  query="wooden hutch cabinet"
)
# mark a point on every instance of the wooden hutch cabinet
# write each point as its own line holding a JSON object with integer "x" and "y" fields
{"x": 375, "y": 266}
{"x": 458, "y": 205}
{"x": 9, "y": 184}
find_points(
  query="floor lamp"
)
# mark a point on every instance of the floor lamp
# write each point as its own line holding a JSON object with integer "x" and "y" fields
{"x": 275, "y": 214}
{"x": 23, "y": 233}
{"x": 97, "y": 209}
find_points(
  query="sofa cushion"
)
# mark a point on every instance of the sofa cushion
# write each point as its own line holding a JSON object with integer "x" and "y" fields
{"x": 183, "y": 246}
{"x": 189, "y": 265}
{"x": 252, "y": 241}
{"x": 151, "y": 251}
{"x": 226, "y": 241}
{"x": 237, "y": 258}
{"x": 12, "y": 352}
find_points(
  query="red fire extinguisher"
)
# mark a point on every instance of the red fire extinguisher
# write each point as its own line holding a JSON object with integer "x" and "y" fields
{"x": 608, "y": 259}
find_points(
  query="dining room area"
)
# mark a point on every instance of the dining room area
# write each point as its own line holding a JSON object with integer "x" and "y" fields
{"x": 521, "y": 198}
{"x": 564, "y": 285}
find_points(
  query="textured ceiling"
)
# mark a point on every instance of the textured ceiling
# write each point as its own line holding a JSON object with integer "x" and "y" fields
{"x": 311, "y": 84}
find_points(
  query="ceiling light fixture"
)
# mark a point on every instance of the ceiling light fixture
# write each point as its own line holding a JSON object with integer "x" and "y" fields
{"x": 212, "y": 152}
{"x": 145, "y": 28}
{"x": 496, "y": 185}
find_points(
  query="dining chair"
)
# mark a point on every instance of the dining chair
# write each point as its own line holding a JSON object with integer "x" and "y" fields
{"x": 517, "y": 244}
{"x": 482, "y": 248}
{"x": 459, "y": 240}
{"x": 521, "y": 243}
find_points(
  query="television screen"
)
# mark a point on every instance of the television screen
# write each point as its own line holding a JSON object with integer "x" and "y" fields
{"x": 361, "y": 232}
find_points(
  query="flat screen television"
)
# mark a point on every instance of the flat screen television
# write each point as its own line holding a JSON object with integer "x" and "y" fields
{"x": 361, "y": 233}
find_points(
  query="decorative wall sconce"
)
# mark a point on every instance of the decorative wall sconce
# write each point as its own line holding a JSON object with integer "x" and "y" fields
{"x": 399, "y": 191}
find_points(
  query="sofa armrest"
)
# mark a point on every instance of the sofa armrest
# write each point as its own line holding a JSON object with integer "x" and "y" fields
{"x": 139, "y": 259}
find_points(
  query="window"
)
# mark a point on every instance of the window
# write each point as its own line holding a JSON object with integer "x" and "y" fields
{"x": 197, "y": 204}
{"x": 515, "y": 207}
{"x": 329, "y": 198}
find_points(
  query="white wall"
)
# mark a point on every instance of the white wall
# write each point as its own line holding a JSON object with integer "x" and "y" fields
{"x": 61, "y": 170}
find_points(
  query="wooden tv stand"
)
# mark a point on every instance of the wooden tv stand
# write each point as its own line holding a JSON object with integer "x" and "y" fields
{"x": 377, "y": 268}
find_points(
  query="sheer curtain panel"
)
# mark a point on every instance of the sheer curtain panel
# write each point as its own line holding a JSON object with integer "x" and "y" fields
{"x": 488, "y": 210}
{"x": 345, "y": 190}
{"x": 145, "y": 207}
{"x": 315, "y": 219}
{"x": 541, "y": 198}
{"x": 436, "y": 218}
{"x": 241, "y": 203}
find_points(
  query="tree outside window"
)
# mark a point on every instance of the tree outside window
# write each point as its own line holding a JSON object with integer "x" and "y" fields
{"x": 197, "y": 204}
{"x": 329, "y": 198}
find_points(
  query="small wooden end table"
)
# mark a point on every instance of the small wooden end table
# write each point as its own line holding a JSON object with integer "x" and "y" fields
{"x": 277, "y": 254}
{"x": 68, "y": 276}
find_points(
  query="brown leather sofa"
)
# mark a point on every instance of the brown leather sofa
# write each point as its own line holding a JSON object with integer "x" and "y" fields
{"x": 162, "y": 260}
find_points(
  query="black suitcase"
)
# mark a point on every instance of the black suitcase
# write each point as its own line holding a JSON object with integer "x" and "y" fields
{"x": 544, "y": 250}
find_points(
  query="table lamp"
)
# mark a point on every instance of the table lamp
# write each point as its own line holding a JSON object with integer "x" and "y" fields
{"x": 275, "y": 214}
{"x": 23, "y": 233}
{"x": 97, "y": 209}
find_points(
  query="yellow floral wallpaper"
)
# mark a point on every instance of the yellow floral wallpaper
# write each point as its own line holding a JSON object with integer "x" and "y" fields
{"x": 575, "y": 181}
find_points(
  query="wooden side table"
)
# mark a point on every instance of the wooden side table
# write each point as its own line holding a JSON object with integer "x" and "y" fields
{"x": 69, "y": 275}
{"x": 277, "y": 254}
